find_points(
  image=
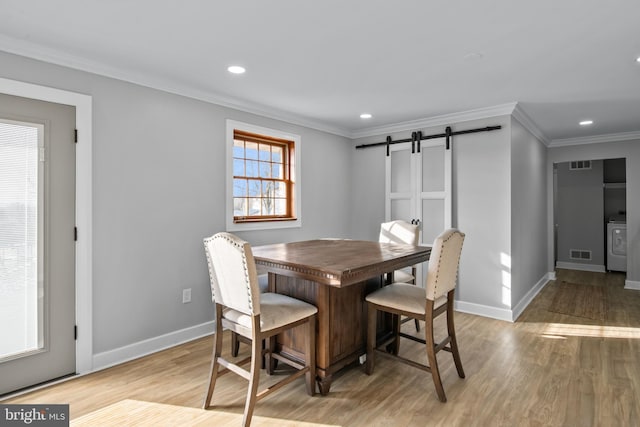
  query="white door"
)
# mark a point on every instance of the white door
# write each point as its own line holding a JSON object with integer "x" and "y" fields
{"x": 37, "y": 244}
{"x": 419, "y": 187}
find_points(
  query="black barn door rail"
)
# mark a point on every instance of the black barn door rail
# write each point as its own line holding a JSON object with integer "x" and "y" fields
{"x": 416, "y": 137}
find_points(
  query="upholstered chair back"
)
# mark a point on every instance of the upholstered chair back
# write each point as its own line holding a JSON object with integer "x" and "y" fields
{"x": 443, "y": 263}
{"x": 399, "y": 232}
{"x": 234, "y": 280}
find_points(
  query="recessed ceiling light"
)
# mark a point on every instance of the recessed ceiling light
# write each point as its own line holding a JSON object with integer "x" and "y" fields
{"x": 586, "y": 122}
{"x": 638, "y": 59}
{"x": 473, "y": 56}
{"x": 365, "y": 116}
{"x": 236, "y": 69}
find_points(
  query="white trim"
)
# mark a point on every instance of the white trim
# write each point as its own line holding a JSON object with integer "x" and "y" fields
{"x": 632, "y": 284}
{"x": 612, "y": 137}
{"x": 551, "y": 275}
{"x": 535, "y": 290}
{"x": 266, "y": 225}
{"x": 446, "y": 119}
{"x": 84, "y": 216}
{"x": 581, "y": 267}
{"x": 484, "y": 310}
{"x": 525, "y": 120}
{"x": 152, "y": 345}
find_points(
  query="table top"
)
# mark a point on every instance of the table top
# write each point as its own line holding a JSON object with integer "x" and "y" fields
{"x": 337, "y": 262}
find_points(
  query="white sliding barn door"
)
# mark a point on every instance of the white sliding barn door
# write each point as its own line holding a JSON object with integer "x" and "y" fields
{"x": 418, "y": 187}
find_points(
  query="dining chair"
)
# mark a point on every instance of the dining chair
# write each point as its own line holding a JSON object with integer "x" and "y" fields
{"x": 399, "y": 231}
{"x": 241, "y": 308}
{"x": 421, "y": 303}
{"x": 236, "y": 339}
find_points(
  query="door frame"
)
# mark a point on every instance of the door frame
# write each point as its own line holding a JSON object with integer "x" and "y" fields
{"x": 84, "y": 218}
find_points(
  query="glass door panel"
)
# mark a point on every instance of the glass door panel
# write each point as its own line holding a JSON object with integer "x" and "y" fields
{"x": 21, "y": 228}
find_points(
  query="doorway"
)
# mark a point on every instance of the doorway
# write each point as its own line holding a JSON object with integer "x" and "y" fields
{"x": 37, "y": 221}
{"x": 589, "y": 196}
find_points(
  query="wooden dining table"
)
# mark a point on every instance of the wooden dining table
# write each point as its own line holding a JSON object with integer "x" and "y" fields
{"x": 335, "y": 275}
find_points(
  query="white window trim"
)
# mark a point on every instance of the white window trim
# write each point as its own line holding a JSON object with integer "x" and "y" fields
{"x": 261, "y": 225}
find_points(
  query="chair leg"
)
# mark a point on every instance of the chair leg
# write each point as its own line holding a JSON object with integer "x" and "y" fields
{"x": 310, "y": 357}
{"x": 372, "y": 315}
{"x": 452, "y": 333}
{"x": 252, "y": 392}
{"x": 417, "y": 325}
{"x": 431, "y": 353}
{"x": 397, "y": 323}
{"x": 270, "y": 363}
{"x": 235, "y": 344}
{"x": 215, "y": 366}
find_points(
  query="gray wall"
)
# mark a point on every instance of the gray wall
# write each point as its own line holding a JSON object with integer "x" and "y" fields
{"x": 630, "y": 150}
{"x": 158, "y": 189}
{"x": 528, "y": 211}
{"x": 580, "y": 213}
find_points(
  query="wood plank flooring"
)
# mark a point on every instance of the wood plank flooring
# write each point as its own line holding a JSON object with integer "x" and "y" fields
{"x": 546, "y": 369}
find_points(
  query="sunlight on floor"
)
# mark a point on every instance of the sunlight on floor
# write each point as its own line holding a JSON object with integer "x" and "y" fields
{"x": 135, "y": 412}
{"x": 560, "y": 330}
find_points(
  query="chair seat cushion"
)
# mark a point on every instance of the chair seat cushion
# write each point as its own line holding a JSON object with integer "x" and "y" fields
{"x": 402, "y": 277}
{"x": 405, "y": 297}
{"x": 275, "y": 311}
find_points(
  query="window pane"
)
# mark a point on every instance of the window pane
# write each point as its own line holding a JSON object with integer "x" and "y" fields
{"x": 18, "y": 239}
{"x": 254, "y": 207}
{"x": 255, "y": 188}
{"x": 267, "y": 188}
{"x": 276, "y": 154}
{"x": 240, "y": 188}
{"x": 252, "y": 150}
{"x": 280, "y": 189}
{"x": 265, "y": 170}
{"x": 277, "y": 171}
{"x": 268, "y": 206}
{"x": 238, "y": 167}
{"x": 265, "y": 152}
{"x": 281, "y": 207}
{"x": 238, "y": 148}
{"x": 239, "y": 207}
{"x": 252, "y": 168}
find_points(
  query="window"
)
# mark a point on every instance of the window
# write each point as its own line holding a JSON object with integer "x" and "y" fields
{"x": 262, "y": 185}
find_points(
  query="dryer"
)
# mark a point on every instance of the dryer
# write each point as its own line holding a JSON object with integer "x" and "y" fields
{"x": 617, "y": 246}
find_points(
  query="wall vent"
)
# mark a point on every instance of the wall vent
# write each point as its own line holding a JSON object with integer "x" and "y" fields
{"x": 580, "y": 254}
{"x": 580, "y": 165}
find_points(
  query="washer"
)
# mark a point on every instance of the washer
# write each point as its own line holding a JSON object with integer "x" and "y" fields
{"x": 617, "y": 246}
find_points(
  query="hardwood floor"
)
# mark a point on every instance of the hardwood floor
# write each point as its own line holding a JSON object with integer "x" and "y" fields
{"x": 546, "y": 369}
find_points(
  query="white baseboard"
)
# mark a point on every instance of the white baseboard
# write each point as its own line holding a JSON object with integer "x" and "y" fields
{"x": 582, "y": 267}
{"x": 133, "y": 351}
{"x": 484, "y": 310}
{"x": 505, "y": 313}
{"x": 631, "y": 284}
{"x": 526, "y": 300}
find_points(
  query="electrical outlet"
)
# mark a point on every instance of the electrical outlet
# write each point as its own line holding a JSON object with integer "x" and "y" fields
{"x": 186, "y": 295}
{"x": 362, "y": 358}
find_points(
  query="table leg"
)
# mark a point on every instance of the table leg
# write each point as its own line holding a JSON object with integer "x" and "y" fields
{"x": 324, "y": 384}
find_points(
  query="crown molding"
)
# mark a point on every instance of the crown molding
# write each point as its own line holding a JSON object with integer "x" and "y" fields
{"x": 524, "y": 119}
{"x": 445, "y": 119}
{"x": 597, "y": 139}
{"x": 56, "y": 57}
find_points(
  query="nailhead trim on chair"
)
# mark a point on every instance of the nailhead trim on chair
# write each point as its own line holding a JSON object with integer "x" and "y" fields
{"x": 435, "y": 286}
{"x": 240, "y": 246}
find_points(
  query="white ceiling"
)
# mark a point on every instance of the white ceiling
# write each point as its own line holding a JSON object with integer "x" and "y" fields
{"x": 322, "y": 63}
